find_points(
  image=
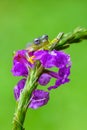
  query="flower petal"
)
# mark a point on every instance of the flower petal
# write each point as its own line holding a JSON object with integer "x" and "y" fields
{"x": 53, "y": 58}
{"x": 63, "y": 74}
{"x": 61, "y": 59}
{"x": 19, "y": 69}
{"x": 44, "y": 79}
{"x": 18, "y": 88}
{"x": 21, "y": 63}
{"x": 20, "y": 56}
{"x": 39, "y": 98}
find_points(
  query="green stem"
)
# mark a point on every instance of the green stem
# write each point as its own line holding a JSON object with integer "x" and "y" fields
{"x": 25, "y": 96}
{"x": 75, "y": 36}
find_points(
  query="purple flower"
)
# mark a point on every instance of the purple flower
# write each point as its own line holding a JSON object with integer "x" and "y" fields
{"x": 61, "y": 76}
{"x": 53, "y": 58}
{"x": 24, "y": 60}
{"x": 19, "y": 69}
{"x": 39, "y": 98}
{"x": 56, "y": 59}
{"x": 21, "y": 63}
{"x": 18, "y": 88}
{"x": 20, "y": 56}
{"x": 44, "y": 79}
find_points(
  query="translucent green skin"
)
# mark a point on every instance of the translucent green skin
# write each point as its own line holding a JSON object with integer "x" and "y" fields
{"x": 45, "y": 44}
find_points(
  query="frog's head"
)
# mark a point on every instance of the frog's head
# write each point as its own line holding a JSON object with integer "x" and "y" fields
{"x": 38, "y": 43}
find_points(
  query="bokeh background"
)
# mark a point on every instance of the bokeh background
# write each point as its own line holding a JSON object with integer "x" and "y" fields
{"x": 20, "y": 22}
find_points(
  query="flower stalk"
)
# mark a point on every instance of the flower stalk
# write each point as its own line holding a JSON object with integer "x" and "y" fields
{"x": 31, "y": 84}
{"x": 64, "y": 41}
{"x": 75, "y": 36}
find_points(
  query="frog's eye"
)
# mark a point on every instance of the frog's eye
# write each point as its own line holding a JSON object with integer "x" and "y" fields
{"x": 44, "y": 38}
{"x": 36, "y": 41}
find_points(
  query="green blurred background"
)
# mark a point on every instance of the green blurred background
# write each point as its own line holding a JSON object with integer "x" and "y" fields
{"x": 20, "y": 22}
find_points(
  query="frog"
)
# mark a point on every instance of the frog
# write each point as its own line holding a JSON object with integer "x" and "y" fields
{"x": 43, "y": 43}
